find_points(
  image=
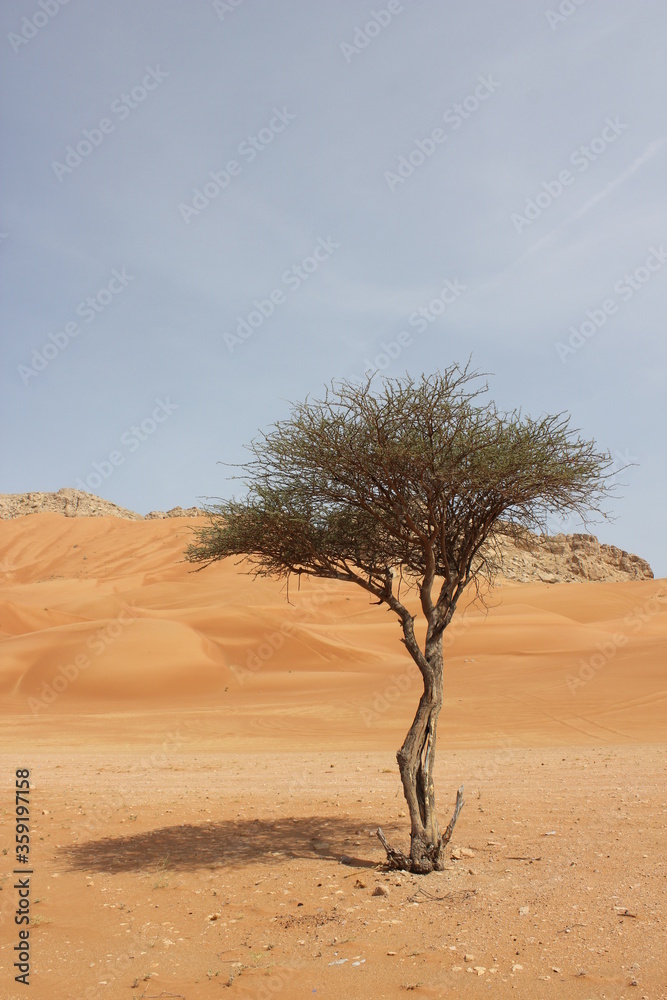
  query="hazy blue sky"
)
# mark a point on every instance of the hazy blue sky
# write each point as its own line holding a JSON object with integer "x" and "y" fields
{"x": 405, "y": 178}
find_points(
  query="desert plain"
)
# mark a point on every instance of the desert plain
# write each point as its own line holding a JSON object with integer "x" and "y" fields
{"x": 210, "y": 757}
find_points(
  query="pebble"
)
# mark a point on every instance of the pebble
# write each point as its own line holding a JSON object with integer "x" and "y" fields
{"x": 468, "y": 958}
{"x": 380, "y": 890}
{"x": 462, "y": 852}
{"x": 517, "y": 968}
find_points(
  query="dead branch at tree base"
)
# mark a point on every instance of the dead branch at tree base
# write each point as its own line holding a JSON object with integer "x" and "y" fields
{"x": 447, "y": 835}
{"x": 395, "y": 859}
{"x": 398, "y": 861}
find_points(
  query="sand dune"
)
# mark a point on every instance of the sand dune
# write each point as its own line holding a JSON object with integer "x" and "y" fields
{"x": 100, "y": 613}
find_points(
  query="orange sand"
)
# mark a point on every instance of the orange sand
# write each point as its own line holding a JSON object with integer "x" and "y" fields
{"x": 546, "y": 664}
{"x": 134, "y": 688}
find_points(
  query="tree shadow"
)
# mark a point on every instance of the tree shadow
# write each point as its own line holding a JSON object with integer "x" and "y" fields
{"x": 231, "y": 843}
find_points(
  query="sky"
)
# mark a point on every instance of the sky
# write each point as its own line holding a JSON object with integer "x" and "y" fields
{"x": 212, "y": 209}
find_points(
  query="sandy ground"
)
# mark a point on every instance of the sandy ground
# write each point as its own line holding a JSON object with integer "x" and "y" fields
{"x": 203, "y": 754}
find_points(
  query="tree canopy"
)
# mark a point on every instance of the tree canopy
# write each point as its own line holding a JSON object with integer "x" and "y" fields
{"x": 418, "y": 474}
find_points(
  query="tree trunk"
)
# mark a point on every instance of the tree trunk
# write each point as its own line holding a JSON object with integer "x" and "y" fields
{"x": 416, "y": 761}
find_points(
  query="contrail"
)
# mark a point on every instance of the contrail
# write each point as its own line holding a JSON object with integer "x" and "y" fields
{"x": 636, "y": 165}
{"x": 648, "y": 153}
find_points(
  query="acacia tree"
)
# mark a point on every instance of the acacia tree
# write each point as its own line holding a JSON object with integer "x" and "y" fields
{"x": 410, "y": 482}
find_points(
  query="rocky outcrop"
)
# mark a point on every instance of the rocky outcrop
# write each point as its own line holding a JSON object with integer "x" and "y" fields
{"x": 567, "y": 559}
{"x": 76, "y": 503}
{"x": 175, "y": 512}
{"x": 549, "y": 558}
{"x": 70, "y": 503}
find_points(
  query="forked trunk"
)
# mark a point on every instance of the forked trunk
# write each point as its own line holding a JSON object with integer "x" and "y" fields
{"x": 416, "y": 761}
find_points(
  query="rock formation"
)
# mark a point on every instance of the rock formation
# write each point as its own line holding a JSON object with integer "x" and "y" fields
{"x": 549, "y": 558}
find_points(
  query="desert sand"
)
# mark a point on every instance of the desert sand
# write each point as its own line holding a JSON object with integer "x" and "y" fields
{"x": 203, "y": 753}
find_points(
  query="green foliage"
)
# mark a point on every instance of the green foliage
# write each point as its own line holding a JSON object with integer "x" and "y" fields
{"x": 417, "y": 474}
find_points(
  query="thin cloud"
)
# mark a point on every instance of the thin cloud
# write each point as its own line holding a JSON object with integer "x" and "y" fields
{"x": 636, "y": 165}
